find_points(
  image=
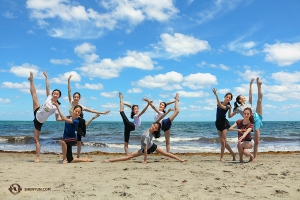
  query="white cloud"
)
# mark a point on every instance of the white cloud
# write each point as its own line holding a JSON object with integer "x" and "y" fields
{"x": 135, "y": 90}
{"x": 11, "y": 85}
{"x": 199, "y": 80}
{"x": 25, "y": 69}
{"x": 9, "y": 15}
{"x": 182, "y": 45}
{"x": 94, "y": 98}
{"x": 5, "y": 100}
{"x": 275, "y": 97}
{"x": 248, "y": 74}
{"x": 61, "y": 61}
{"x": 285, "y": 77}
{"x": 77, "y": 21}
{"x": 193, "y": 94}
{"x": 98, "y": 86}
{"x": 169, "y": 81}
{"x": 283, "y": 54}
{"x": 112, "y": 94}
{"x": 224, "y": 67}
{"x": 244, "y": 48}
{"x": 63, "y": 78}
{"x": 31, "y": 32}
{"x": 110, "y": 105}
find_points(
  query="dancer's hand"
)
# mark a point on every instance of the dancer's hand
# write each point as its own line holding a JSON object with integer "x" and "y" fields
{"x": 251, "y": 81}
{"x": 70, "y": 77}
{"x": 56, "y": 104}
{"x": 106, "y": 112}
{"x": 45, "y": 74}
{"x": 214, "y": 91}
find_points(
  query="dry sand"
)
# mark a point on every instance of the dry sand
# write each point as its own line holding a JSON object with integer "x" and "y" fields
{"x": 203, "y": 176}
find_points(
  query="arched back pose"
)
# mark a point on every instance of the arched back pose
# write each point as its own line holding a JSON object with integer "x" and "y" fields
{"x": 166, "y": 123}
{"x": 135, "y": 115}
{"x": 69, "y": 137}
{"x": 42, "y": 112}
{"x": 147, "y": 146}
{"x": 244, "y": 128}
{"x": 241, "y": 104}
{"x": 222, "y": 123}
{"x": 75, "y": 101}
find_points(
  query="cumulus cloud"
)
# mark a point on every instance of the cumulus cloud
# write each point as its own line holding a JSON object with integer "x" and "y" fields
{"x": 244, "y": 48}
{"x": 193, "y": 94}
{"x": 283, "y": 54}
{"x": 12, "y": 85}
{"x": 63, "y": 78}
{"x": 135, "y": 90}
{"x": 61, "y": 61}
{"x": 98, "y": 86}
{"x": 5, "y": 100}
{"x": 182, "y": 45}
{"x": 169, "y": 81}
{"x": 199, "y": 80}
{"x": 110, "y": 105}
{"x": 9, "y": 15}
{"x": 25, "y": 69}
{"x": 248, "y": 74}
{"x": 112, "y": 94}
{"x": 286, "y": 77}
{"x": 66, "y": 19}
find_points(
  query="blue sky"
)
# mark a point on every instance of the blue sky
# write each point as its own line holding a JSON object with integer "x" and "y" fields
{"x": 151, "y": 49}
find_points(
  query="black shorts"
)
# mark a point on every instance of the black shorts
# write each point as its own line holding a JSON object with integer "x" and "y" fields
{"x": 222, "y": 124}
{"x": 70, "y": 142}
{"x": 37, "y": 125}
{"x": 151, "y": 149}
{"x": 78, "y": 137}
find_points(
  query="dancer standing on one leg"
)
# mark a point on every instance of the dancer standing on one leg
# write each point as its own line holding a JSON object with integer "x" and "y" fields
{"x": 241, "y": 104}
{"x": 135, "y": 115}
{"x": 245, "y": 126}
{"x": 222, "y": 123}
{"x": 166, "y": 123}
{"x": 42, "y": 112}
{"x": 69, "y": 137}
{"x": 75, "y": 101}
{"x": 147, "y": 146}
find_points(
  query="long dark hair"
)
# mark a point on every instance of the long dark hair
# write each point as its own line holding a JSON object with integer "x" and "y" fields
{"x": 251, "y": 118}
{"x": 132, "y": 108}
{"x": 237, "y": 102}
{"x": 228, "y": 93}
{"x": 157, "y": 133}
{"x": 165, "y": 106}
{"x": 59, "y": 94}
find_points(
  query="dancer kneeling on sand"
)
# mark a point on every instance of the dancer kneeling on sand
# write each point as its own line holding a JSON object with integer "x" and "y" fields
{"x": 244, "y": 128}
{"x": 147, "y": 146}
{"x": 69, "y": 137}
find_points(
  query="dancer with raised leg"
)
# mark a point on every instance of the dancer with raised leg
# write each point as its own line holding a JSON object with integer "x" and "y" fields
{"x": 241, "y": 104}
{"x": 42, "y": 112}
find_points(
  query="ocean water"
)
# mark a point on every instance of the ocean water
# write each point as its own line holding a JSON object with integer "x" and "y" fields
{"x": 108, "y": 137}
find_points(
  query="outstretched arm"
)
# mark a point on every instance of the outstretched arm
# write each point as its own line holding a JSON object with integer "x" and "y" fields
{"x": 232, "y": 128}
{"x": 245, "y": 134}
{"x": 170, "y": 102}
{"x": 250, "y": 91}
{"x": 47, "y": 84}
{"x": 218, "y": 101}
{"x": 96, "y": 112}
{"x": 231, "y": 114}
{"x": 69, "y": 88}
{"x": 154, "y": 108}
{"x": 94, "y": 117}
{"x": 127, "y": 104}
{"x": 145, "y": 154}
{"x": 62, "y": 117}
{"x": 141, "y": 113}
{"x": 161, "y": 117}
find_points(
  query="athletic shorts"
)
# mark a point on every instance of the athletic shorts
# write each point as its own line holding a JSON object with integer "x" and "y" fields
{"x": 37, "y": 125}
{"x": 151, "y": 149}
{"x": 222, "y": 124}
{"x": 257, "y": 121}
{"x": 78, "y": 137}
{"x": 166, "y": 124}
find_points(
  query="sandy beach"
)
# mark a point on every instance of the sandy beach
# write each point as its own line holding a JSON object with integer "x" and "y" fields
{"x": 276, "y": 175}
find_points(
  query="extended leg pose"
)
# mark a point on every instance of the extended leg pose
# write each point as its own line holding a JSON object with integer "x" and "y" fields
{"x": 222, "y": 123}
{"x": 244, "y": 129}
{"x": 42, "y": 112}
{"x": 75, "y": 101}
{"x": 166, "y": 123}
{"x": 241, "y": 104}
{"x": 130, "y": 126}
{"x": 147, "y": 146}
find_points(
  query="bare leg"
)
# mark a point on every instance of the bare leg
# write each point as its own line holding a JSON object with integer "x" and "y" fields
{"x": 222, "y": 146}
{"x": 167, "y": 138}
{"x": 240, "y": 149}
{"x": 36, "y": 138}
{"x": 132, "y": 155}
{"x": 256, "y": 142}
{"x": 121, "y": 102}
{"x": 260, "y": 97}
{"x": 81, "y": 160}
{"x": 159, "y": 150}
{"x": 176, "y": 111}
{"x": 230, "y": 150}
{"x": 78, "y": 148}
{"x": 35, "y": 101}
{"x": 126, "y": 148}
{"x": 64, "y": 151}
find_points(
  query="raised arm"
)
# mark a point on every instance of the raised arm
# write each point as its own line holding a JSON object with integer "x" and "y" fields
{"x": 96, "y": 112}
{"x": 250, "y": 91}
{"x": 218, "y": 101}
{"x": 230, "y": 114}
{"x": 141, "y": 113}
{"x": 161, "y": 117}
{"x": 154, "y": 108}
{"x": 170, "y": 102}
{"x": 47, "y": 84}
{"x": 94, "y": 117}
{"x": 62, "y": 117}
{"x": 69, "y": 88}
{"x": 127, "y": 104}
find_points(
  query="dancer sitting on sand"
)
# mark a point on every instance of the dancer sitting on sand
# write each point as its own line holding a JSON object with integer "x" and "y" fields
{"x": 69, "y": 137}
{"x": 42, "y": 112}
{"x": 75, "y": 101}
{"x": 222, "y": 123}
{"x": 241, "y": 104}
{"x": 166, "y": 123}
{"x": 135, "y": 115}
{"x": 147, "y": 146}
{"x": 244, "y": 128}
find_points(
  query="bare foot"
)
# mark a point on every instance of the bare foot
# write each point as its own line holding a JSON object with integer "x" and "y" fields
{"x": 251, "y": 158}
{"x": 30, "y": 77}
{"x": 222, "y": 159}
{"x": 241, "y": 160}
{"x": 177, "y": 96}
{"x": 182, "y": 160}
{"x": 258, "y": 82}
{"x": 37, "y": 160}
{"x": 64, "y": 161}
{"x": 107, "y": 161}
{"x": 167, "y": 158}
{"x": 86, "y": 159}
{"x": 233, "y": 157}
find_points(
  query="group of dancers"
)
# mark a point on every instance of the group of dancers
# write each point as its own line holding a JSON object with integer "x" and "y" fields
{"x": 75, "y": 125}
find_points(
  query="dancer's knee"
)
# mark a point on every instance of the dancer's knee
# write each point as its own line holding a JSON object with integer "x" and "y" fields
{"x": 36, "y": 139}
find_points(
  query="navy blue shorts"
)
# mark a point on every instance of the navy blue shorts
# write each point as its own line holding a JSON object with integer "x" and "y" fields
{"x": 166, "y": 124}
